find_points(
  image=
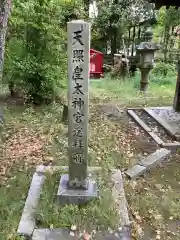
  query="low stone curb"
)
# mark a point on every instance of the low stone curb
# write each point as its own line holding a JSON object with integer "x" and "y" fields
{"x": 172, "y": 146}
{"x": 147, "y": 163}
{"x": 63, "y": 234}
{"x": 144, "y": 126}
{"x": 135, "y": 171}
{"x": 28, "y": 220}
{"x": 51, "y": 234}
{"x": 155, "y": 158}
{"x": 119, "y": 194}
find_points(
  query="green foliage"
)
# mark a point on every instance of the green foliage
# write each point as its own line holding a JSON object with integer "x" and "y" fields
{"x": 36, "y": 59}
{"x": 163, "y": 69}
{"x": 114, "y": 20}
{"x": 170, "y": 16}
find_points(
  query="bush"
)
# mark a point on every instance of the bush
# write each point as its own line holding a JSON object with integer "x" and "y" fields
{"x": 36, "y": 59}
{"x": 162, "y": 80}
{"x": 163, "y": 69}
{"x": 154, "y": 79}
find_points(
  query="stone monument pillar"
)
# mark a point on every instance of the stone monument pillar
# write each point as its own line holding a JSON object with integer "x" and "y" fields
{"x": 76, "y": 187}
{"x": 145, "y": 51}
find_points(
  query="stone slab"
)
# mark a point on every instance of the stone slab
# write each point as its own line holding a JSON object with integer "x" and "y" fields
{"x": 27, "y": 221}
{"x": 167, "y": 118}
{"x": 155, "y": 158}
{"x": 135, "y": 171}
{"x": 51, "y": 234}
{"x": 75, "y": 196}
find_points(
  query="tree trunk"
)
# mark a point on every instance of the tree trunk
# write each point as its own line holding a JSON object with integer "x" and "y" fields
{"x": 166, "y": 41}
{"x": 5, "y": 6}
{"x": 176, "y": 103}
{"x": 86, "y": 6}
{"x": 133, "y": 39}
{"x": 114, "y": 41}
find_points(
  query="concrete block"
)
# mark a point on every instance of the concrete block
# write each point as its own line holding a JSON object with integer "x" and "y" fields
{"x": 135, "y": 171}
{"x": 27, "y": 222}
{"x": 155, "y": 158}
{"x": 67, "y": 195}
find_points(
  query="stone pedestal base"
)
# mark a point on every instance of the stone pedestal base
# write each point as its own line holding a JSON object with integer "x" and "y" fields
{"x": 75, "y": 196}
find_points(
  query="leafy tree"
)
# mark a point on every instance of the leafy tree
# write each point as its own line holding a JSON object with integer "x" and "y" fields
{"x": 36, "y": 59}
{"x": 115, "y": 18}
{"x": 167, "y": 20}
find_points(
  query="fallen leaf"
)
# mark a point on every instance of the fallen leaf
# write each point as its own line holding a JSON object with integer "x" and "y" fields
{"x": 73, "y": 228}
{"x": 158, "y": 237}
{"x": 158, "y": 217}
{"x": 86, "y": 236}
{"x": 72, "y": 233}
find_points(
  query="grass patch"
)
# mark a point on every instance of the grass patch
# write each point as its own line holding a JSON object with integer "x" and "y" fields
{"x": 12, "y": 199}
{"x": 100, "y": 213}
{"x": 111, "y": 144}
{"x": 155, "y": 200}
{"x": 161, "y": 90}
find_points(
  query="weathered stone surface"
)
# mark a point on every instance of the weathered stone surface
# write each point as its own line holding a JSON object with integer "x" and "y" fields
{"x": 142, "y": 124}
{"x": 166, "y": 117}
{"x": 172, "y": 146}
{"x": 123, "y": 233}
{"x": 135, "y": 171}
{"x": 119, "y": 196}
{"x": 27, "y": 222}
{"x": 78, "y": 101}
{"x": 68, "y": 195}
{"x": 138, "y": 120}
{"x": 51, "y": 234}
{"x": 155, "y": 158}
{"x": 63, "y": 234}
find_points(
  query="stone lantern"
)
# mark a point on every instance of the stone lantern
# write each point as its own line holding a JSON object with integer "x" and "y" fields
{"x": 145, "y": 51}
